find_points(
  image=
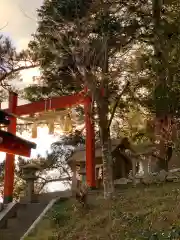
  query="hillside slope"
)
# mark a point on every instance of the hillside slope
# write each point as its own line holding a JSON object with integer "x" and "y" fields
{"x": 136, "y": 213}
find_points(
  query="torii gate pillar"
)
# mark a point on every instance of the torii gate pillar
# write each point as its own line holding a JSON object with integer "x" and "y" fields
{"x": 9, "y": 163}
{"x": 90, "y": 147}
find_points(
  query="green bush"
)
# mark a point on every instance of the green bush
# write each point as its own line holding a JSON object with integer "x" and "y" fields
{"x": 59, "y": 214}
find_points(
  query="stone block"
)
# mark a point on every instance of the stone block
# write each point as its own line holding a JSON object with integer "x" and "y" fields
{"x": 122, "y": 181}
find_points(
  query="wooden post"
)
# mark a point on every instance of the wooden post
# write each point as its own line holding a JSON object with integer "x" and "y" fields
{"x": 134, "y": 171}
{"x": 90, "y": 146}
{"x": 74, "y": 179}
{"x": 9, "y": 164}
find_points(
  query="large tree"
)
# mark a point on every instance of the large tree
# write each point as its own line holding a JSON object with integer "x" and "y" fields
{"x": 81, "y": 43}
{"x": 161, "y": 63}
{"x": 155, "y": 70}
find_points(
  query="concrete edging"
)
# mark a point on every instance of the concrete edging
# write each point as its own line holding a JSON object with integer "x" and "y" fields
{"x": 36, "y": 222}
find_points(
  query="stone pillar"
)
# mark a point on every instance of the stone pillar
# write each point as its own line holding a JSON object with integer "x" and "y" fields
{"x": 145, "y": 164}
{"x": 30, "y": 190}
{"x": 29, "y": 175}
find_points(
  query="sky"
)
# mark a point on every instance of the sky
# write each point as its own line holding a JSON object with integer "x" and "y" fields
{"x": 18, "y": 22}
{"x": 19, "y": 17}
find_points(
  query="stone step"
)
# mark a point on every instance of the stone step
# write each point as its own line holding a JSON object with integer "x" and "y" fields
{"x": 26, "y": 215}
{"x": 23, "y": 215}
{"x": 32, "y": 209}
{"x": 47, "y": 197}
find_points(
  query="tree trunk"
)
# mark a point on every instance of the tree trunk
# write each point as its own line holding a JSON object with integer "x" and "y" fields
{"x": 161, "y": 77}
{"x": 162, "y": 164}
{"x": 108, "y": 180}
{"x": 166, "y": 152}
{"x": 106, "y": 150}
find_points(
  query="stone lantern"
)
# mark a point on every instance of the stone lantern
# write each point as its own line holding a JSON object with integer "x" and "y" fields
{"x": 29, "y": 175}
{"x": 82, "y": 173}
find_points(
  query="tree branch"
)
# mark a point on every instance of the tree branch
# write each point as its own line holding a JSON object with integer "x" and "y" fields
{"x": 45, "y": 181}
{"x": 55, "y": 179}
{"x": 116, "y": 104}
{"x": 7, "y": 74}
{"x": 4, "y": 26}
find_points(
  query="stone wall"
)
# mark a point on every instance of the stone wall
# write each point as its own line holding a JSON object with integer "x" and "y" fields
{"x": 151, "y": 178}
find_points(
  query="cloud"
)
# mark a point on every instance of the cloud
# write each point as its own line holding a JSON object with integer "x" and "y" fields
{"x": 20, "y": 17}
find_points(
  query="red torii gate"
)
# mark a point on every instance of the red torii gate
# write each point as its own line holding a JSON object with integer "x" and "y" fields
{"x": 40, "y": 106}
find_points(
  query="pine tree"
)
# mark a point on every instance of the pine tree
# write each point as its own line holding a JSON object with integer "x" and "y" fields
{"x": 163, "y": 64}
{"x": 77, "y": 43}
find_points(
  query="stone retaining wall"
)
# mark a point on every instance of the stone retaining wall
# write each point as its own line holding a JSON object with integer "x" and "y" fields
{"x": 151, "y": 178}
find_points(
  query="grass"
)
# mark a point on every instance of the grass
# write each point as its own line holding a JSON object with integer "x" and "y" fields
{"x": 135, "y": 213}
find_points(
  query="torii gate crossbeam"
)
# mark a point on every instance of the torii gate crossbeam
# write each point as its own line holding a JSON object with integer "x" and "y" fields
{"x": 41, "y": 106}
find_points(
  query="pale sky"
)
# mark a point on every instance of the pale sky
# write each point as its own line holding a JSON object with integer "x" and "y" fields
{"x": 18, "y": 21}
{"x": 20, "y": 18}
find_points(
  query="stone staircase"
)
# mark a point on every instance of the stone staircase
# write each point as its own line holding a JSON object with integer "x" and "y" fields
{"x": 18, "y": 224}
{"x": 15, "y": 221}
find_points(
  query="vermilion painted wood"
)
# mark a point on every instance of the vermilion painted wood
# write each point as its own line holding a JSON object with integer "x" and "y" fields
{"x": 9, "y": 164}
{"x": 41, "y": 106}
{"x": 90, "y": 147}
{"x": 25, "y": 152}
{"x": 15, "y": 145}
{"x": 49, "y": 104}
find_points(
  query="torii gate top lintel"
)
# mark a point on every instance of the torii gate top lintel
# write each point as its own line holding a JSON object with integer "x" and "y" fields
{"x": 51, "y": 104}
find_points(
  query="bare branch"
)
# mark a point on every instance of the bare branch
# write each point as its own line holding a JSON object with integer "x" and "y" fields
{"x": 61, "y": 179}
{"x": 8, "y": 74}
{"x": 4, "y": 26}
{"x": 116, "y": 104}
{"x": 26, "y": 15}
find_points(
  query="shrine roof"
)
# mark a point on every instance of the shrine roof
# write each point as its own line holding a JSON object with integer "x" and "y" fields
{"x": 4, "y": 134}
{"x": 80, "y": 152}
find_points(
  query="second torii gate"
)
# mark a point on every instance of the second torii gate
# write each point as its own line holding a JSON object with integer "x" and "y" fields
{"x": 40, "y": 106}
